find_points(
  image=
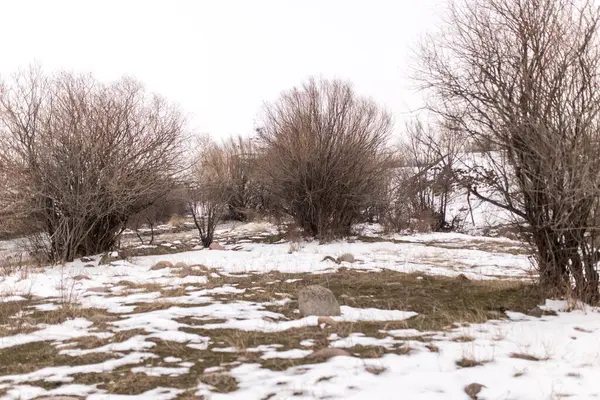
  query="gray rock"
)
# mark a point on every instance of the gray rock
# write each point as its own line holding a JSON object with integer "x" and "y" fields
{"x": 317, "y": 300}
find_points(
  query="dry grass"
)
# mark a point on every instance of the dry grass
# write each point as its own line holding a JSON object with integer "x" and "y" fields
{"x": 147, "y": 287}
{"x": 525, "y": 356}
{"x": 440, "y": 301}
{"x": 463, "y": 339}
{"x": 466, "y": 362}
{"x": 93, "y": 342}
{"x": 473, "y": 244}
{"x": 11, "y": 321}
{"x": 37, "y": 355}
{"x": 69, "y": 311}
{"x": 18, "y": 263}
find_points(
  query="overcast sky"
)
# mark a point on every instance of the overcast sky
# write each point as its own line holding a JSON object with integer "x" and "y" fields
{"x": 221, "y": 59}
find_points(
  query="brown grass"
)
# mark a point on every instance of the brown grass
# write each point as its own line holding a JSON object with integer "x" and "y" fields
{"x": 34, "y": 356}
{"x": 10, "y": 321}
{"x": 469, "y": 363}
{"x": 463, "y": 339}
{"x": 524, "y": 356}
{"x": 440, "y": 301}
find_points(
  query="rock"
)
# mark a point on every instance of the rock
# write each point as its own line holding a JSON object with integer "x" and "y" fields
{"x": 80, "y": 277}
{"x": 89, "y": 266}
{"x": 185, "y": 272}
{"x": 201, "y": 267}
{"x": 327, "y": 321}
{"x": 327, "y": 353}
{"x": 161, "y": 265}
{"x": 346, "y": 257}
{"x": 180, "y": 265}
{"x": 473, "y": 389}
{"x": 87, "y": 259}
{"x": 536, "y": 312}
{"x": 317, "y": 300}
{"x": 216, "y": 246}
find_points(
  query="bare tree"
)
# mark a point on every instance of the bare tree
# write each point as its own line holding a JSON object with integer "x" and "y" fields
{"x": 85, "y": 156}
{"x": 523, "y": 76}
{"x": 324, "y": 155}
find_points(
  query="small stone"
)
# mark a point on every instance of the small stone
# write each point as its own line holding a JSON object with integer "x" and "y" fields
{"x": 326, "y": 320}
{"x": 346, "y": 257}
{"x": 536, "y": 312}
{"x": 185, "y": 271}
{"x": 201, "y": 267}
{"x": 317, "y": 300}
{"x": 327, "y": 353}
{"x": 180, "y": 265}
{"x": 473, "y": 389}
{"x": 161, "y": 265}
{"x": 89, "y": 266}
{"x": 375, "y": 370}
{"x": 80, "y": 277}
{"x": 216, "y": 246}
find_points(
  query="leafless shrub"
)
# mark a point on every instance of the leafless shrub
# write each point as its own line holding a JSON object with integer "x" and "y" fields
{"x": 324, "y": 156}
{"x": 82, "y": 157}
{"x": 424, "y": 184}
{"x": 237, "y": 161}
{"x": 208, "y": 195}
{"x": 523, "y": 75}
{"x": 161, "y": 211}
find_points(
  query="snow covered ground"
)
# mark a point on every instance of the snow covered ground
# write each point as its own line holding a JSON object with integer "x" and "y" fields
{"x": 223, "y": 325}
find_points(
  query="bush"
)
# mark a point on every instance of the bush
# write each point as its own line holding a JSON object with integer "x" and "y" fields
{"x": 323, "y": 156}
{"x": 425, "y": 184}
{"x": 82, "y": 157}
{"x": 207, "y": 190}
{"x": 169, "y": 208}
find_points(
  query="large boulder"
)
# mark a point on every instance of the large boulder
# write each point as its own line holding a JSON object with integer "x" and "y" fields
{"x": 317, "y": 300}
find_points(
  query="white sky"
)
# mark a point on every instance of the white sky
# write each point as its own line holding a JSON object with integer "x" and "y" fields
{"x": 221, "y": 59}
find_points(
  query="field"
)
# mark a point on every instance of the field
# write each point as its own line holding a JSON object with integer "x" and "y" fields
{"x": 429, "y": 316}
